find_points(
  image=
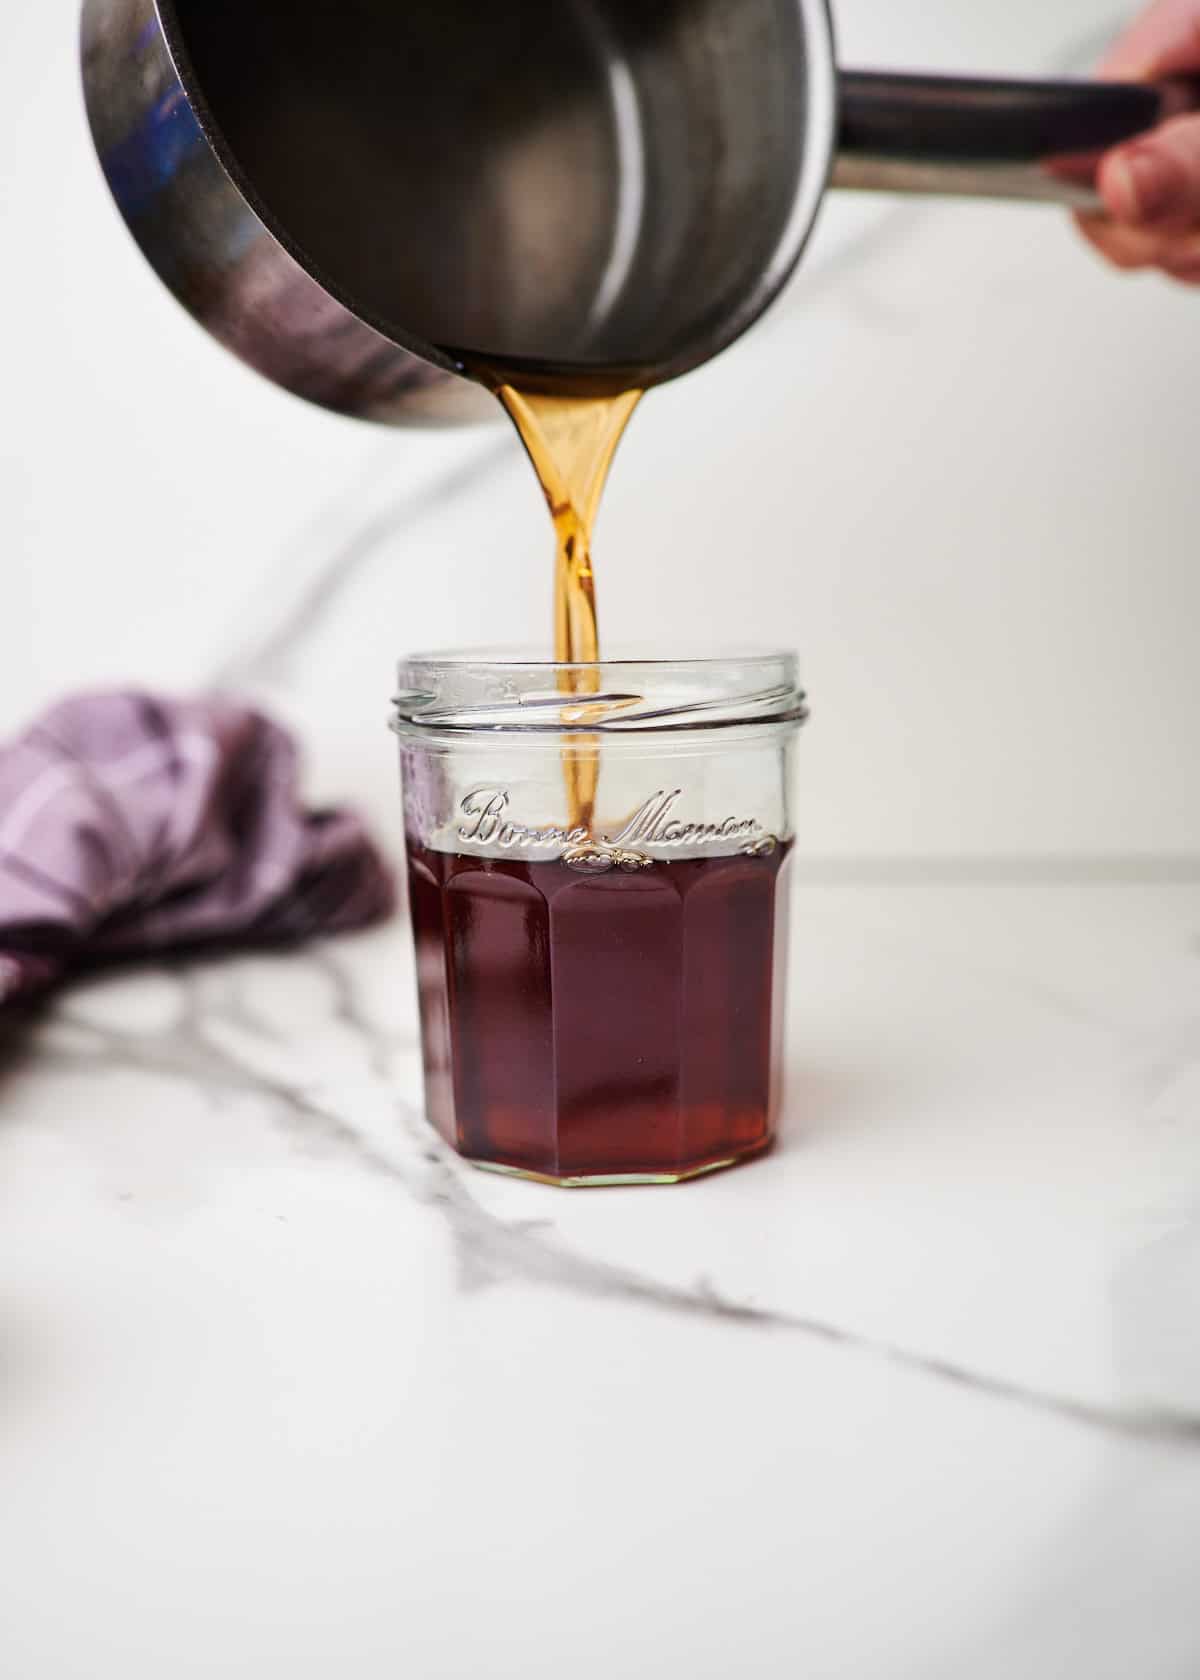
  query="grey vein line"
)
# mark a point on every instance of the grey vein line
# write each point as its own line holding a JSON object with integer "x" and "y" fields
{"x": 270, "y": 656}
{"x": 499, "y": 1248}
{"x": 504, "y": 1249}
{"x": 492, "y": 1250}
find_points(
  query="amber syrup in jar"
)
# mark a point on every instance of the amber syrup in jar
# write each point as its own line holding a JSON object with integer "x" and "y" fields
{"x": 618, "y": 1027}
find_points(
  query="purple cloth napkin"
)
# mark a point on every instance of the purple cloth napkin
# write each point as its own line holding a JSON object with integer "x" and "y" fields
{"x": 132, "y": 825}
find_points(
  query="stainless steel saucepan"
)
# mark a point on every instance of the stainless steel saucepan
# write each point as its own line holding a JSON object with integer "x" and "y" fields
{"x": 368, "y": 199}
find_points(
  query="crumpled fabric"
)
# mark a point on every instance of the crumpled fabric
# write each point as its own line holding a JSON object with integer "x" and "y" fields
{"x": 133, "y": 825}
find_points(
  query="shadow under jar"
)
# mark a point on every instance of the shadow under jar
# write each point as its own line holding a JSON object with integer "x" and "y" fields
{"x": 598, "y": 883}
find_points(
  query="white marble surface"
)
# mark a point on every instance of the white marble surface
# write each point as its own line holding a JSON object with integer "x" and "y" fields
{"x": 285, "y": 1390}
{"x": 289, "y": 1390}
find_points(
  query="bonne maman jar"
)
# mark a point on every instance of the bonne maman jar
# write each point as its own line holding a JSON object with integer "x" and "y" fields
{"x": 598, "y": 884}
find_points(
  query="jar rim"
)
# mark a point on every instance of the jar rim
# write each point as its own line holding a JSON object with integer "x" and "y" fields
{"x": 522, "y": 658}
{"x": 491, "y": 691}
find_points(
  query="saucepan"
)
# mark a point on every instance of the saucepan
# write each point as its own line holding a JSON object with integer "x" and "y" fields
{"x": 386, "y": 205}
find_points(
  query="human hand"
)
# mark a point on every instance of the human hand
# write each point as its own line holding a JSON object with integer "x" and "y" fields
{"x": 1151, "y": 185}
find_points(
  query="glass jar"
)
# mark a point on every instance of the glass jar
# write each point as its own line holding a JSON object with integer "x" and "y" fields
{"x": 597, "y": 866}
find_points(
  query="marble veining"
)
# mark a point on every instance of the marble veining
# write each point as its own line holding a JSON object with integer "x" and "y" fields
{"x": 218, "y": 1041}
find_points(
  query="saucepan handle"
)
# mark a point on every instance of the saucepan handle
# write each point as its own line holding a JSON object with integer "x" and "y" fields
{"x": 992, "y": 139}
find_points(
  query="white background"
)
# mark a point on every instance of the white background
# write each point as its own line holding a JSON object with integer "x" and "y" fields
{"x": 957, "y": 467}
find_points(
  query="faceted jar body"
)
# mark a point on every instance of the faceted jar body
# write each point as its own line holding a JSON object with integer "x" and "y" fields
{"x": 600, "y": 917}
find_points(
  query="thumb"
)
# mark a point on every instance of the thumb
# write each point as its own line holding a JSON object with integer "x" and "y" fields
{"x": 1163, "y": 41}
{"x": 1155, "y": 181}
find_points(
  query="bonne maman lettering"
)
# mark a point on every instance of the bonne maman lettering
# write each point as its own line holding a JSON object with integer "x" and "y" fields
{"x": 486, "y": 822}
